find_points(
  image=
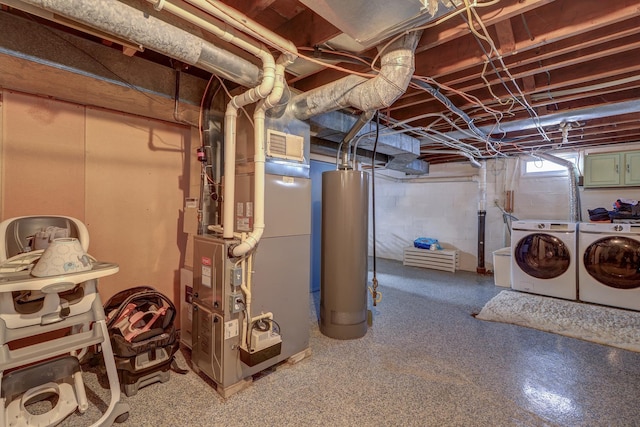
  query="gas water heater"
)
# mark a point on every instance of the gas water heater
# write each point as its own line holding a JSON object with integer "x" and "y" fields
{"x": 226, "y": 347}
{"x": 345, "y": 228}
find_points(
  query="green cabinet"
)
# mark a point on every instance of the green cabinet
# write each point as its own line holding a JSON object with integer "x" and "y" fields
{"x": 612, "y": 169}
{"x": 632, "y": 168}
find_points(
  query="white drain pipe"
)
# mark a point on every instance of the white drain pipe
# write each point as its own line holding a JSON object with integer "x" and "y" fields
{"x": 270, "y": 90}
{"x": 247, "y": 25}
{"x": 217, "y": 28}
{"x": 253, "y": 238}
{"x": 254, "y": 94}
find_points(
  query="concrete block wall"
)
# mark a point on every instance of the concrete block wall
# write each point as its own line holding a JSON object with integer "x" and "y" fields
{"x": 442, "y": 206}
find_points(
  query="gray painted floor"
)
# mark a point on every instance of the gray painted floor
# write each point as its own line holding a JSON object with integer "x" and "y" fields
{"x": 425, "y": 362}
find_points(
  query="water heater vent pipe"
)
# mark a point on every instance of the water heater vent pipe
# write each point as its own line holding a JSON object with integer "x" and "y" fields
{"x": 575, "y": 210}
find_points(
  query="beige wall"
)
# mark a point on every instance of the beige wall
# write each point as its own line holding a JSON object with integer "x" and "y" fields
{"x": 125, "y": 176}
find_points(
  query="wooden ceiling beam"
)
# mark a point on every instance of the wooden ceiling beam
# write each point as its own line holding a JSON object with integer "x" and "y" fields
{"x": 606, "y": 63}
{"x": 463, "y": 56}
{"x": 448, "y": 31}
{"x": 251, "y": 8}
{"x": 506, "y": 43}
{"x": 456, "y": 27}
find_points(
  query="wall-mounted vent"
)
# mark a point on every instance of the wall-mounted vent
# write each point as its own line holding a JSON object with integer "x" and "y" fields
{"x": 285, "y": 146}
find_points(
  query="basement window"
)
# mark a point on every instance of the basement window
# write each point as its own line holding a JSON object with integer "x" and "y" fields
{"x": 542, "y": 167}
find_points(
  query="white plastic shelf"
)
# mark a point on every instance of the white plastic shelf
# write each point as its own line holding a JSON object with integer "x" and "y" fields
{"x": 442, "y": 259}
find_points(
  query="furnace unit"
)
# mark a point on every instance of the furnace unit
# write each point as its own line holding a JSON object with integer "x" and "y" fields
{"x": 226, "y": 346}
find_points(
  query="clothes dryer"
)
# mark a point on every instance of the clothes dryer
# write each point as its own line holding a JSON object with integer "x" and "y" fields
{"x": 609, "y": 270}
{"x": 543, "y": 258}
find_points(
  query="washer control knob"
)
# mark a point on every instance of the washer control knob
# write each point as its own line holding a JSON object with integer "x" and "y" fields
{"x": 541, "y": 226}
{"x": 618, "y": 227}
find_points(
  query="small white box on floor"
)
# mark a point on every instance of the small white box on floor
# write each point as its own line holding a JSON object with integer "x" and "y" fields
{"x": 502, "y": 267}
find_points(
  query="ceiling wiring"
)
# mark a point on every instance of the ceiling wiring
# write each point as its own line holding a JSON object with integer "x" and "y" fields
{"x": 493, "y": 50}
{"x": 430, "y": 25}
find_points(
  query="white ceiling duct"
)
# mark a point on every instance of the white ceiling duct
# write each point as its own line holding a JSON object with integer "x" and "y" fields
{"x": 369, "y": 22}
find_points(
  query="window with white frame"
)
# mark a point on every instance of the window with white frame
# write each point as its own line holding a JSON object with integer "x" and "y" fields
{"x": 543, "y": 167}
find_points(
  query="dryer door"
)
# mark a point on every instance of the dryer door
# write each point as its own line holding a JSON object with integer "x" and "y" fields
{"x": 614, "y": 261}
{"x": 542, "y": 256}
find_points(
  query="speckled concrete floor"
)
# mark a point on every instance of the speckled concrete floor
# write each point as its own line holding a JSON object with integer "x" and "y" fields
{"x": 425, "y": 362}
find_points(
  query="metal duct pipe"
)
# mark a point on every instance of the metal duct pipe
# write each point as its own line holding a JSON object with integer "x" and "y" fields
{"x": 578, "y": 115}
{"x": 363, "y": 119}
{"x": 397, "y": 67}
{"x": 114, "y": 17}
{"x": 575, "y": 210}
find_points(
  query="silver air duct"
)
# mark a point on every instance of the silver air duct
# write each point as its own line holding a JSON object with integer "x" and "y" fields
{"x": 397, "y": 66}
{"x": 575, "y": 211}
{"x": 126, "y": 22}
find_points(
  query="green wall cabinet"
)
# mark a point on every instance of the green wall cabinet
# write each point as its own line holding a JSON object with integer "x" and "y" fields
{"x": 612, "y": 170}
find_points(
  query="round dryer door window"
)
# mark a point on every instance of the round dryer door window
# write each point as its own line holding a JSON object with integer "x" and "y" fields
{"x": 614, "y": 261}
{"x": 542, "y": 256}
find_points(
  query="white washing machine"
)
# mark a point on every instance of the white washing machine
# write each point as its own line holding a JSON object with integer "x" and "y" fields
{"x": 609, "y": 271}
{"x": 543, "y": 258}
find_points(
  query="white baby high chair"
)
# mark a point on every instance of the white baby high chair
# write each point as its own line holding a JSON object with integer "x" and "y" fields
{"x": 35, "y": 304}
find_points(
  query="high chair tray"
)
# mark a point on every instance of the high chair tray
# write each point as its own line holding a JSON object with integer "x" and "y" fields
{"x": 24, "y": 281}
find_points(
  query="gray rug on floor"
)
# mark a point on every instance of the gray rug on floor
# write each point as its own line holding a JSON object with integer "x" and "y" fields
{"x": 603, "y": 325}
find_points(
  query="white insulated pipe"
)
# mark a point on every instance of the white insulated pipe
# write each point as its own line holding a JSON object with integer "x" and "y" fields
{"x": 218, "y": 29}
{"x": 126, "y": 22}
{"x": 397, "y": 67}
{"x": 230, "y": 117}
